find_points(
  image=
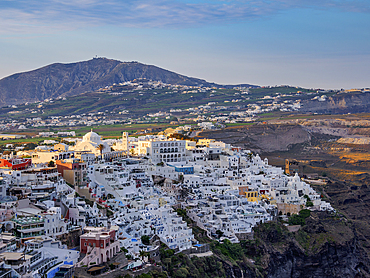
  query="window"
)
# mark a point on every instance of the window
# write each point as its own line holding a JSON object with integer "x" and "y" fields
{"x": 85, "y": 244}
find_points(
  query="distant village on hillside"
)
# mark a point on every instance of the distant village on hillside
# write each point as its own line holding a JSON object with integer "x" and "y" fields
{"x": 236, "y": 108}
{"x": 89, "y": 205}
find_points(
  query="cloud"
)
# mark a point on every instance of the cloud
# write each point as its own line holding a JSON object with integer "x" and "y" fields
{"x": 48, "y": 16}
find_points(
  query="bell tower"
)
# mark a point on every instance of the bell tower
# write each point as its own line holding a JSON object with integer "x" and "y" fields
{"x": 125, "y": 141}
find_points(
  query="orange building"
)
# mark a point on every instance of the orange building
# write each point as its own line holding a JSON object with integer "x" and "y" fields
{"x": 15, "y": 163}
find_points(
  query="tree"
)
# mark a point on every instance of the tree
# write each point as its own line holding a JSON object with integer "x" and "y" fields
{"x": 30, "y": 146}
{"x": 145, "y": 239}
{"x": 307, "y": 197}
{"x": 309, "y": 204}
{"x": 250, "y": 155}
{"x": 51, "y": 164}
{"x": 100, "y": 147}
{"x": 300, "y": 219}
{"x": 219, "y": 233}
{"x": 143, "y": 254}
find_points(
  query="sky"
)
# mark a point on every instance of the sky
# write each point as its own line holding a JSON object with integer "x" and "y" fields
{"x": 307, "y": 43}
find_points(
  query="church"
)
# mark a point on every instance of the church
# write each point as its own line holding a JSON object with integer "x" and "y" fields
{"x": 93, "y": 143}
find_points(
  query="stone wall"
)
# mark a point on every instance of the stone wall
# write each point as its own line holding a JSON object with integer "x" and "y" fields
{"x": 291, "y": 208}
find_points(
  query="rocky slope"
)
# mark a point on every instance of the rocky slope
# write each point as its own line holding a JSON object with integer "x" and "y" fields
{"x": 341, "y": 103}
{"x": 326, "y": 246}
{"x": 262, "y": 137}
{"x": 72, "y": 79}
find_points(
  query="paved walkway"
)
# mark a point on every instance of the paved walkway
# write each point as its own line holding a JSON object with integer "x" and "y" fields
{"x": 199, "y": 255}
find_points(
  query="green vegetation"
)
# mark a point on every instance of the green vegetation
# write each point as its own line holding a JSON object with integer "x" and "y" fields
{"x": 149, "y": 101}
{"x": 309, "y": 204}
{"x": 180, "y": 265}
{"x": 239, "y": 124}
{"x": 27, "y": 141}
{"x": 145, "y": 239}
{"x": 300, "y": 219}
{"x": 153, "y": 274}
{"x": 233, "y": 252}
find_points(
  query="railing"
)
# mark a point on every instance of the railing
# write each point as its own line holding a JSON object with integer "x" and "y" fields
{"x": 43, "y": 263}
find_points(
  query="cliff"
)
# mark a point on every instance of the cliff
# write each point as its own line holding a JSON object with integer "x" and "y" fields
{"x": 341, "y": 103}
{"x": 326, "y": 246}
{"x": 262, "y": 137}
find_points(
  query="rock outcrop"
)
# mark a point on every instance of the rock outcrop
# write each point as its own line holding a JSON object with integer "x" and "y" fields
{"x": 341, "y": 103}
{"x": 327, "y": 246}
{"x": 264, "y": 137}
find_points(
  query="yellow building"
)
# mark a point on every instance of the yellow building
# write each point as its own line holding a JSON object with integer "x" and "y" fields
{"x": 270, "y": 200}
{"x": 205, "y": 142}
{"x": 252, "y": 196}
{"x": 162, "y": 202}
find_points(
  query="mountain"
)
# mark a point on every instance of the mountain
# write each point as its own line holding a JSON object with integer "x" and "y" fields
{"x": 73, "y": 79}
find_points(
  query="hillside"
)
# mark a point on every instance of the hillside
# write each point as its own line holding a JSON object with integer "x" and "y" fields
{"x": 267, "y": 138}
{"x": 73, "y": 79}
{"x": 326, "y": 246}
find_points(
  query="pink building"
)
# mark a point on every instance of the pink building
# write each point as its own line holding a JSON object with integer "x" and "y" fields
{"x": 99, "y": 244}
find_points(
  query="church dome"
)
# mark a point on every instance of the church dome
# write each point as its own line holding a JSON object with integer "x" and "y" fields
{"x": 92, "y": 137}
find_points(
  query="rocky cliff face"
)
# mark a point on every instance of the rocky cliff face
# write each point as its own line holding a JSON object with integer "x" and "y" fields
{"x": 76, "y": 78}
{"x": 332, "y": 261}
{"x": 327, "y": 246}
{"x": 339, "y": 104}
{"x": 262, "y": 137}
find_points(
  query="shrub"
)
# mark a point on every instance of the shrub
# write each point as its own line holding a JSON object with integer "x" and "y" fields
{"x": 300, "y": 219}
{"x": 305, "y": 213}
{"x": 309, "y": 204}
{"x": 145, "y": 239}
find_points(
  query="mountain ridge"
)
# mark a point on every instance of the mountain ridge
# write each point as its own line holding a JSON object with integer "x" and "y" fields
{"x": 59, "y": 79}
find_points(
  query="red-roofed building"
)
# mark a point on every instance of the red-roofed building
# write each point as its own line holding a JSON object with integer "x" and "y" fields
{"x": 15, "y": 163}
